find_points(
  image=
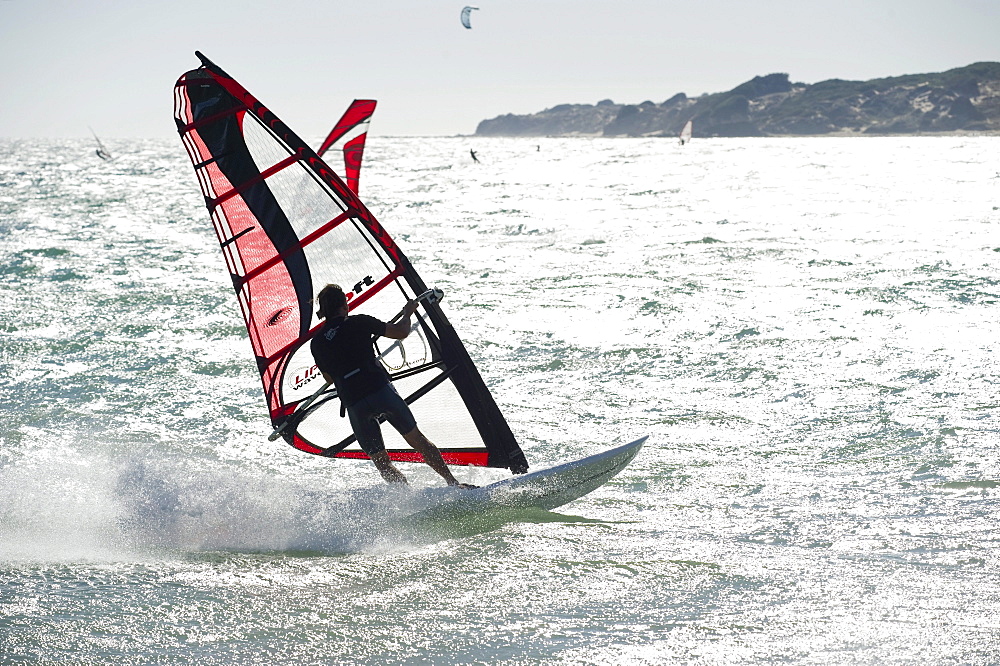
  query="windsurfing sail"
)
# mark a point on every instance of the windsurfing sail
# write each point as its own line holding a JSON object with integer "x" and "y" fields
{"x": 686, "y": 132}
{"x": 287, "y": 225}
{"x": 466, "y": 15}
{"x": 349, "y": 135}
{"x": 101, "y": 151}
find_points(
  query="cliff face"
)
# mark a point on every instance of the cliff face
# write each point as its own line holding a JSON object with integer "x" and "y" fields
{"x": 963, "y": 99}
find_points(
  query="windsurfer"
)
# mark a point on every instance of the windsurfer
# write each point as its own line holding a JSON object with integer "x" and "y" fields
{"x": 343, "y": 353}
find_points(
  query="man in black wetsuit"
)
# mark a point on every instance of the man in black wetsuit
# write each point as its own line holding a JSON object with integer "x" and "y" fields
{"x": 344, "y": 354}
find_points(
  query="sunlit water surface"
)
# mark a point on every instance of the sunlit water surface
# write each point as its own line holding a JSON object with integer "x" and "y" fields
{"x": 805, "y": 328}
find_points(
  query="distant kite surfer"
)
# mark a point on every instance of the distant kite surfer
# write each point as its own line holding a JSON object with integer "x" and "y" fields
{"x": 474, "y": 158}
{"x": 343, "y": 353}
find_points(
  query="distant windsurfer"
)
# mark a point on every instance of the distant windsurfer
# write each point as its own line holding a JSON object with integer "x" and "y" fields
{"x": 474, "y": 158}
{"x": 101, "y": 150}
{"x": 686, "y": 131}
{"x": 344, "y": 354}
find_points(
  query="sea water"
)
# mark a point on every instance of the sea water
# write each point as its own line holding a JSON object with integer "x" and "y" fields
{"x": 805, "y": 328}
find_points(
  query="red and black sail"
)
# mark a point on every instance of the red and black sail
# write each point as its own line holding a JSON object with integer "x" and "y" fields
{"x": 348, "y": 137}
{"x": 287, "y": 225}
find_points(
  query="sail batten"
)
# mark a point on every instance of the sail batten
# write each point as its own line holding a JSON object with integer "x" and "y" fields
{"x": 201, "y": 122}
{"x": 264, "y": 175}
{"x": 301, "y": 244}
{"x": 287, "y": 225}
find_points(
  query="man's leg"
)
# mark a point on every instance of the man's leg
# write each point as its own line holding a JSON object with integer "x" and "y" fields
{"x": 399, "y": 415}
{"x": 432, "y": 456}
{"x": 369, "y": 434}
{"x": 386, "y": 468}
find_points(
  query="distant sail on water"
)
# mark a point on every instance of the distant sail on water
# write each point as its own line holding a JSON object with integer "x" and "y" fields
{"x": 686, "y": 132}
{"x": 101, "y": 151}
{"x": 466, "y": 15}
{"x": 287, "y": 225}
{"x": 349, "y": 135}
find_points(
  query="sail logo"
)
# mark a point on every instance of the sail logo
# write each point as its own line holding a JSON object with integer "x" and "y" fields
{"x": 303, "y": 376}
{"x": 360, "y": 287}
{"x": 279, "y": 316}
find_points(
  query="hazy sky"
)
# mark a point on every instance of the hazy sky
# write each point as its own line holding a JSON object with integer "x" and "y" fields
{"x": 112, "y": 64}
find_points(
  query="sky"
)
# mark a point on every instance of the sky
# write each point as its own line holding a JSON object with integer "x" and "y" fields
{"x": 111, "y": 64}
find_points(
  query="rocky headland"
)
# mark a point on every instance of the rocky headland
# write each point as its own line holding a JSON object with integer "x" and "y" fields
{"x": 966, "y": 99}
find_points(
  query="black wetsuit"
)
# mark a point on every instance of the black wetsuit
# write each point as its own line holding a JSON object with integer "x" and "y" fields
{"x": 343, "y": 350}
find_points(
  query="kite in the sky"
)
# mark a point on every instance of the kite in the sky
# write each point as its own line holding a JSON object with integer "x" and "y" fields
{"x": 466, "y": 11}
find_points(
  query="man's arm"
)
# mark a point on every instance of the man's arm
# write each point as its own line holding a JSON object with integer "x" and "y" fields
{"x": 401, "y": 328}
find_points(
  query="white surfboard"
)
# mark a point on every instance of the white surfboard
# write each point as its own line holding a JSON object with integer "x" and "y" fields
{"x": 544, "y": 489}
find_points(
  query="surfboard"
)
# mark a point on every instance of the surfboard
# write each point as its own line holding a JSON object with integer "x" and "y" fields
{"x": 544, "y": 489}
